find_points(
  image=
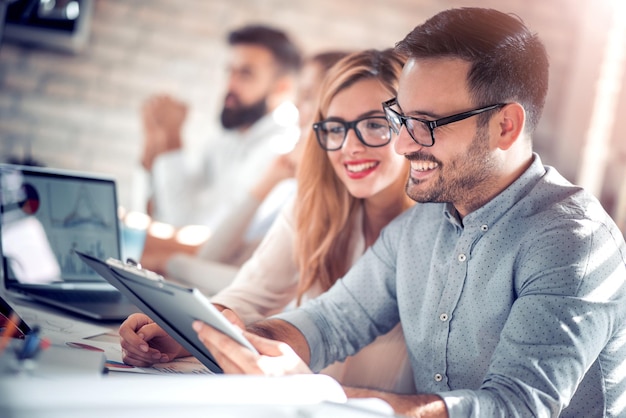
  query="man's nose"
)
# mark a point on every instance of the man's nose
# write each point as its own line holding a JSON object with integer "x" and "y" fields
{"x": 404, "y": 144}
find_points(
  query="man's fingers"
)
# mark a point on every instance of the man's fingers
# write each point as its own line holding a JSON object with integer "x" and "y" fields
{"x": 230, "y": 355}
{"x": 130, "y": 330}
{"x": 137, "y": 346}
{"x": 143, "y": 359}
{"x": 279, "y": 358}
{"x": 275, "y": 358}
{"x": 136, "y": 321}
{"x": 151, "y": 331}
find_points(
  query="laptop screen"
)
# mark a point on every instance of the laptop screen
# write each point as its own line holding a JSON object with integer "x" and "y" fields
{"x": 46, "y": 214}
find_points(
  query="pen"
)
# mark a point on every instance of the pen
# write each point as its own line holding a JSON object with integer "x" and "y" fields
{"x": 33, "y": 344}
{"x": 9, "y": 330}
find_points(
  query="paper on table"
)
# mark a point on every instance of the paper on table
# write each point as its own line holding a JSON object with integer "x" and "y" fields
{"x": 187, "y": 365}
{"x": 68, "y": 332}
{"x": 56, "y": 328}
{"x": 113, "y": 354}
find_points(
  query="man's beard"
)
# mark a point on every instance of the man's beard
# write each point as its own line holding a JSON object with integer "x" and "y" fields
{"x": 462, "y": 179}
{"x": 243, "y": 116}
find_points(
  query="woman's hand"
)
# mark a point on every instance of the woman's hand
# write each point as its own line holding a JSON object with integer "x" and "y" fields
{"x": 144, "y": 343}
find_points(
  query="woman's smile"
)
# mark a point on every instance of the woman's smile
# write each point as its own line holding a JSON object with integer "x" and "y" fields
{"x": 361, "y": 168}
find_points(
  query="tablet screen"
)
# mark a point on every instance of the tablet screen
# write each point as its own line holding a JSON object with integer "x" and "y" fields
{"x": 10, "y": 321}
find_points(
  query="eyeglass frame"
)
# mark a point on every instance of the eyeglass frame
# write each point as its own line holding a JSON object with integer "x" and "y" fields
{"x": 347, "y": 126}
{"x": 432, "y": 124}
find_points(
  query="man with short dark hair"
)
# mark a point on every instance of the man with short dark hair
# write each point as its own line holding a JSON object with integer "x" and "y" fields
{"x": 509, "y": 281}
{"x": 259, "y": 123}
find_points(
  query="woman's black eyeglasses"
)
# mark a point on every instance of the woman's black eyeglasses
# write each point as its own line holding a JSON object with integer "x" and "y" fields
{"x": 373, "y": 131}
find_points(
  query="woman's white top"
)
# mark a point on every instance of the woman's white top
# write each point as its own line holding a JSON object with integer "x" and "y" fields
{"x": 267, "y": 284}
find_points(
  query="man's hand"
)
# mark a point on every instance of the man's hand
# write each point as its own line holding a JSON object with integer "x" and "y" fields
{"x": 275, "y": 358}
{"x": 163, "y": 118}
{"x": 169, "y": 113}
{"x": 144, "y": 343}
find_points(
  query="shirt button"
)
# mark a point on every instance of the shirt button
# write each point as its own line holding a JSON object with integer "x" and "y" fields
{"x": 443, "y": 317}
{"x": 484, "y": 228}
{"x": 462, "y": 257}
{"x": 438, "y": 377}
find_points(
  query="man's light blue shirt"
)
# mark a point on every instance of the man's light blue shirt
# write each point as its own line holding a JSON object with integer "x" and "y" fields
{"x": 504, "y": 313}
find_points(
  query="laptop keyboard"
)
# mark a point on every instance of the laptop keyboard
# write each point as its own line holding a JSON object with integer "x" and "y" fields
{"x": 83, "y": 296}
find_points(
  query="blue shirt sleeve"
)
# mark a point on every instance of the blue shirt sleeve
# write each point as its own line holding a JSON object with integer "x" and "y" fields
{"x": 357, "y": 309}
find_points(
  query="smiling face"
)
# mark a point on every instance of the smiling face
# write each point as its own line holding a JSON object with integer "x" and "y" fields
{"x": 365, "y": 171}
{"x": 461, "y": 167}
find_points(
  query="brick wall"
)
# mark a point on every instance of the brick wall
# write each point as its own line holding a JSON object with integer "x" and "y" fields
{"x": 81, "y": 111}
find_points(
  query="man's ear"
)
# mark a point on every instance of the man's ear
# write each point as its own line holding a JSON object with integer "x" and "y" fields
{"x": 511, "y": 120}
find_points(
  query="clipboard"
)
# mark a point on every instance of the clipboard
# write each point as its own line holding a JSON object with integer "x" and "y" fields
{"x": 171, "y": 306}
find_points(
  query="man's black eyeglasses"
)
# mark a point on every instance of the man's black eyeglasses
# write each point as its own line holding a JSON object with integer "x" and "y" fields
{"x": 373, "y": 131}
{"x": 422, "y": 131}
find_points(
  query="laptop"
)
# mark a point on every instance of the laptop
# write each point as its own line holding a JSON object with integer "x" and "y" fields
{"x": 45, "y": 215}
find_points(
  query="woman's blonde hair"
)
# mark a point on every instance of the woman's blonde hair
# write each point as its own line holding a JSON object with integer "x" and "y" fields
{"x": 324, "y": 207}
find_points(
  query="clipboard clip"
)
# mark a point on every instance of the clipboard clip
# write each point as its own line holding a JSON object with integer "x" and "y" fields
{"x": 132, "y": 262}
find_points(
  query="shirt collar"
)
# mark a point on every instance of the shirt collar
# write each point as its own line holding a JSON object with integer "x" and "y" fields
{"x": 489, "y": 213}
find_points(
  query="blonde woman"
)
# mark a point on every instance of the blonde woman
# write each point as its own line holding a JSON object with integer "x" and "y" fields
{"x": 350, "y": 185}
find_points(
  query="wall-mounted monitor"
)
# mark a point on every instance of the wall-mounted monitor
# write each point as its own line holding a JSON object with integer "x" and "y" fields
{"x": 57, "y": 24}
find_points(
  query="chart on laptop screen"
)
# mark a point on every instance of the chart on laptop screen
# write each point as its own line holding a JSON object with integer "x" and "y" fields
{"x": 51, "y": 216}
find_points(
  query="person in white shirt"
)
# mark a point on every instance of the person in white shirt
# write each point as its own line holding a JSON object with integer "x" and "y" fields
{"x": 350, "y": 185}
{"x": 216, "y": 262}
{"x": 259, "y": 121}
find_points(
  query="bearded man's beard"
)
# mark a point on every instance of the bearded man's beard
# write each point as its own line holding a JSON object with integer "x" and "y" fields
{"x": 243, "y": 116}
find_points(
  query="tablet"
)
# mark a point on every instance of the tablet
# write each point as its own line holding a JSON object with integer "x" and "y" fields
{"x": 172, "y": 306}
{"x": 11, "y": 324}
